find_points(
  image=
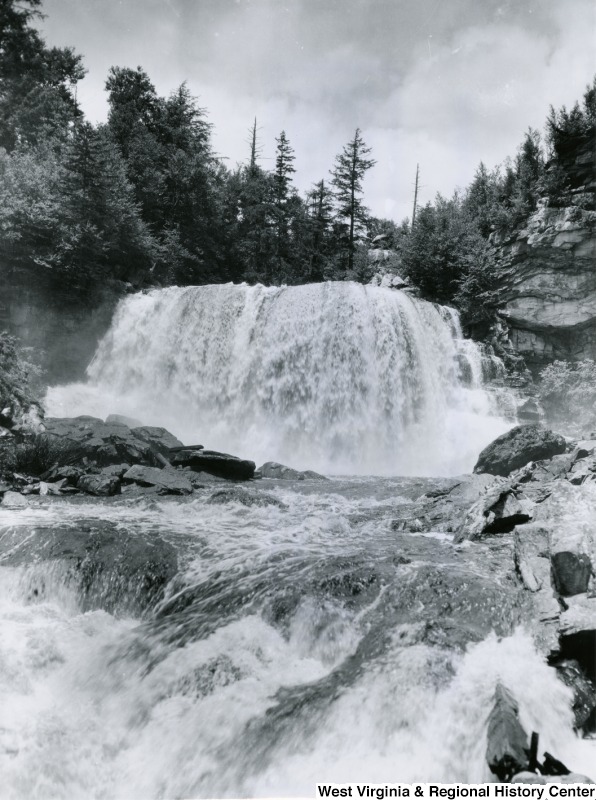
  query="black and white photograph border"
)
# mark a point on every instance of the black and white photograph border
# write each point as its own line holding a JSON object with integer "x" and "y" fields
{"x": 297, "y": 397}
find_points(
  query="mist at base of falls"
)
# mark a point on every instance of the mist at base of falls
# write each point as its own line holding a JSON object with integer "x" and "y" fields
{"x": 337, "y": 377}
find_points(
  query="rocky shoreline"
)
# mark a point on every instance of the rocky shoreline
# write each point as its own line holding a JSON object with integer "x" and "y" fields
{"x": 531, "y": 489}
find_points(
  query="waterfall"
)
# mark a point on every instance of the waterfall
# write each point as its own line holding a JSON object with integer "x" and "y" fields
{"x": 337, "y": 377}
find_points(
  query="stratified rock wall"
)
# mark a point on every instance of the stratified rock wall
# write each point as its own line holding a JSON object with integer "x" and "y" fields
{"x": 548, "y": 276}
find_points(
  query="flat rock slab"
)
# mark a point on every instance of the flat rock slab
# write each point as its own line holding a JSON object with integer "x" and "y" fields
{"x": 517, "y": 447}
{"x": 220, "y": 464}
{"x": 169, "y": 481}
{"x": 111, "y": 443}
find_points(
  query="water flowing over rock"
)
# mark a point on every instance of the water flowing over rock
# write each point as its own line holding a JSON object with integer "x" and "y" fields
{"x": 335, "y": 377}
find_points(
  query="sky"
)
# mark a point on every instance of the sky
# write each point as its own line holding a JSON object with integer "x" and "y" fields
{"x": 442, "y": 83}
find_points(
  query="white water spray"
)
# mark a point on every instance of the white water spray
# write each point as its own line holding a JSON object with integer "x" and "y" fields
{"x": 338, "y": 377}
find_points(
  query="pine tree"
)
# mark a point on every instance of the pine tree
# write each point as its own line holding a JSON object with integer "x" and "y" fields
{"x": 282, "y": 178}
{"x": 350, "y": 168}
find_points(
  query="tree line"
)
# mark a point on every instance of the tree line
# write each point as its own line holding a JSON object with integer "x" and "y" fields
{"x": 144, "y": 198}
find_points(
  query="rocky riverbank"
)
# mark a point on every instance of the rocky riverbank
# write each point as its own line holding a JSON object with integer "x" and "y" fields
{"x": 528, "y": 510}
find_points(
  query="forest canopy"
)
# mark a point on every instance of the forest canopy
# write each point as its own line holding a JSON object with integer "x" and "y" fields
{"x": 144, "y": 199}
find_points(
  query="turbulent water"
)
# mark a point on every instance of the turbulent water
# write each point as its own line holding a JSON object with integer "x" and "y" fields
{"x": 336, "y": 377}
{"x": 299, "y": 643}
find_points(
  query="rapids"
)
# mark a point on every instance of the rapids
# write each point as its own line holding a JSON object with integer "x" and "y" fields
{"x": 337, "y": 377}
{"x": 298, "y": 644}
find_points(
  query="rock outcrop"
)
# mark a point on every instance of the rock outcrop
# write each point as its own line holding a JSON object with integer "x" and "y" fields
{"x": 517, "y": 447}
{"x": 547, "y": 285}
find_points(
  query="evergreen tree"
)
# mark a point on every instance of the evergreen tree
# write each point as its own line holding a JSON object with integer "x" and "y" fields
{"x": 37, "y": 83}
{"x": 350, "y": 168}
{"x": 282, "y": 177}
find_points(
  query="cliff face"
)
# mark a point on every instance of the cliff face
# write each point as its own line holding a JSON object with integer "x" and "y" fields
{"x": 547, "y": 270}
{"x": 548, "y": 279}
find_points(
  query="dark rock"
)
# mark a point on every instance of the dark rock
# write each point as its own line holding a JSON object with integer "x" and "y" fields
{"x": 584, "y": 691}
{"x": 507, "y": 741}
{"x": 517, "y": 447}
{"x": 498, "y": 511}
{"x": 238, "y": 495}
{"x": 159, "y": 439}
{"x": 68, "y": 473}
{"x": 220, "y": 464}
{"x": 120, "y": 419}
{"x": 571, "y": 571}
{"x": 167, "y": 480}
{"x": 115, "y": 470}
{"x": 271, "y": 469}
{"x": 108, "y": 567}
{"x": 101, "y": 485}
{"x": 99, "y": 442}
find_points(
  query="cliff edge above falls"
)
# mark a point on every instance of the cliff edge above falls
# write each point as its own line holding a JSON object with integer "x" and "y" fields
{"x": 547, "y": 274}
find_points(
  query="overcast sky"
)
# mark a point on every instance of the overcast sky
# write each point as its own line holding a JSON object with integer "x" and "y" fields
{"x": 446, "y": 83}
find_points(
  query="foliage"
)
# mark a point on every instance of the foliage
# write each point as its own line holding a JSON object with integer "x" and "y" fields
{"x": 351, "y": 165}
{"x": 17, "y": 380}
{"x": 38, "y": 453}
{"x": 567, "y": 392}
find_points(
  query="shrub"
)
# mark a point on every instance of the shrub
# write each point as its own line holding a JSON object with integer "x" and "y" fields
{"x": 17, "y": 377}
{"x": 37, "y": 454}
{"x": 567, "y": 392}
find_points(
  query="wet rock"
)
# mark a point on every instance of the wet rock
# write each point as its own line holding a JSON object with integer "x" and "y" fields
{"x": 584, "y": 691}
{"x": 99, "y": 442}
{"x": 528, "y": 777}
{"x": 579, "y": 617}
{"x": 498, "y": 511}
{"x": 68, "y": 473}
{"x": 167, "y": 480}
{"x": 572, "y": 568}
{"x": 106, "y": 566}
{"x": 507, "y": 741}
{"x": 517, "y": 447}
{"x": 121, "y": 419}
{"x": 238, "y": 495}
{"x": 220, "y": 464}
{"x": 14, "y": 500}
{"x": 532, "y": 555}
{"x": 100, "y": 485}
{"x": 115, "y": 470}
{"x": 159, "y": 439}
{"x": 271, "y": 469}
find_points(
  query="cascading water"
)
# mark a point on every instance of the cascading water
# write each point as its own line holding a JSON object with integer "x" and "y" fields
{"x": 300, "y": 642}
{"x": 337, "y": 377}
{"x": 306, "y": 637}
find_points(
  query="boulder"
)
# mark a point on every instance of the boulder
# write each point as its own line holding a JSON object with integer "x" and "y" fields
{"x": 68, "y": 473}
{"x": 108, "y": 567}
{"x": 99, "y": 442}
{"x": 517, "y": 447}
{"x": 100, "y": 485}
{"x": 237, "y": 495}
{"x": 271, "y": 469}
{"x": 14, "y": 500}
{"x": 220, "y": 464}
{"x": 159, "y": 439}
{"x": 120, "y": 419}
{"x": 168, "y": 481}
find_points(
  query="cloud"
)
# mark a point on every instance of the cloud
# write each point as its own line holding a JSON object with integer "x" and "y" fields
{"x": 445, "y": 84}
